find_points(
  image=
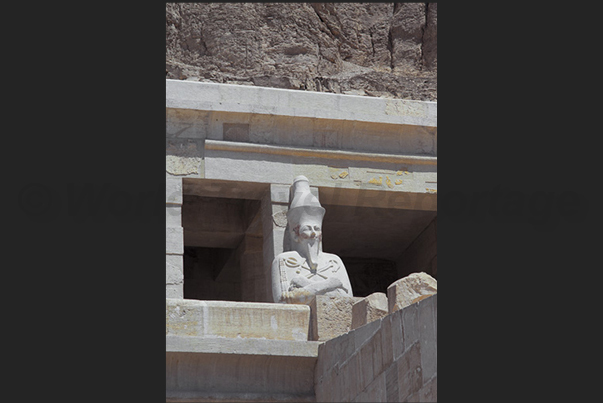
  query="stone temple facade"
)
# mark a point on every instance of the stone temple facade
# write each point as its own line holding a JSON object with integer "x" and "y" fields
{"x": 232, "y": 154}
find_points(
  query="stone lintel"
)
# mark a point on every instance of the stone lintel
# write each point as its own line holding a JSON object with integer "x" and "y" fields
{"x": 282, "y": 102}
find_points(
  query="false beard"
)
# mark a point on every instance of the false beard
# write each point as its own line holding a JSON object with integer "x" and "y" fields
{"x": 312, "y": 250}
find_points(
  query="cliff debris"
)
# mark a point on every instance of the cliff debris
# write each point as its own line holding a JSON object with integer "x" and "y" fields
{"x": 373, "y": 49}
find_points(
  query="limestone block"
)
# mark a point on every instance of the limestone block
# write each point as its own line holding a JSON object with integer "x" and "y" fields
{"x": 410, "y": 378}
{"x": 176, "y": 165}
{"x": 333, "y": 354}
{"x": 175, "y": 291}
{"x": 173, "y": 191}
{"x": 410, "y": 289}
{"x": 349, "y": 379}
{"x": 427, "y": 319}
{"x": 369, "y": 309}
{"x": 188, "y": 317}
{"x": 241, "y": 346}
{"x": 331, "y": 316}
{"x": 173, "y": 216}
{"x": 375, "y": 391}
{"x": 174, "y": 273}
{"x": 174, "y": 240}
{"x": 429, "y": 391}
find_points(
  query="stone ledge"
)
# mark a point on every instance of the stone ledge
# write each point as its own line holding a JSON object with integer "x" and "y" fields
{"x": 273, "y": 101}
{"x": 228, "y": 319}
{"x": 218, "y": 345}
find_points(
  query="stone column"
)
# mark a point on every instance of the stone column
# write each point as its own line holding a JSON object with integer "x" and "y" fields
{"x": 174, "y": 234}
{"x": 253, "y": 276}
{"x": 274, "y": 225}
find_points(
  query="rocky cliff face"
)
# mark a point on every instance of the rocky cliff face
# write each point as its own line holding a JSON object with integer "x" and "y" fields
{"x": 374, "y": 49}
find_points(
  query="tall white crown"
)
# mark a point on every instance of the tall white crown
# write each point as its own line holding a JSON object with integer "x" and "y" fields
{"x": 303, "y": 205}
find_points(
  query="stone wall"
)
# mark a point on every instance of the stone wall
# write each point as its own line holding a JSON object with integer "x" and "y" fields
{"x": 393, "y": 359}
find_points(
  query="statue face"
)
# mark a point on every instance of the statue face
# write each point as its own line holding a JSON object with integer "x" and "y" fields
{"x": 310, "y": 231}
{"x": 307, "y": 232}
{"x": 308, "y": 236}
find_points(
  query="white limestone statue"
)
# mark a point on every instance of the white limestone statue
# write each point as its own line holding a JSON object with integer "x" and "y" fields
{"x": 305, "y": 271}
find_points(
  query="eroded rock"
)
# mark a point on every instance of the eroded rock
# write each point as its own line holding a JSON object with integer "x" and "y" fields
{"x": 377, "y": 49}
{"x": 410, "y": 289}
{"x": 369, "y": 309}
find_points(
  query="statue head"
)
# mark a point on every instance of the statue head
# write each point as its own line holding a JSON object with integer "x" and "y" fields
{"x": 305, "y": 220}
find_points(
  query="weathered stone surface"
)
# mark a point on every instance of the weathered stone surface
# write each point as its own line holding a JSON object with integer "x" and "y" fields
{"x": 173, "y": 216}
{"x": 331, "y": 316}
{"x": 369, "y": 309}
{"x": 175, "y": 291}
{"x": 429, "y": 391}
{"x": 251, "y": 104}
{"x": 375, "y": 49}
{"x": 174, "y": 241}
{"x": 173, "y": 191}
{"x": 239, "y": 370}
{"x": 174, "y": 272}
{"x": 409, "y": 370}
{"x": 375, "y": 391}
{"x": 187, "y": 317}
{"x": 410, "y": 289}
{"x": 361, "y": 366}
{"x": 245, "y": 346}
{"x": 429, "y": 342}
{"x": 175, "y": 165}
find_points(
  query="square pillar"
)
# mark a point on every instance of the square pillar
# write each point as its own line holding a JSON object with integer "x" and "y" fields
{"x": 174, "y": 237}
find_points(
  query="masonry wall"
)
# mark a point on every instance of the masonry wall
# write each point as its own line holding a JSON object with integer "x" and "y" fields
{"x": 174, "y": 247}
{"x": 393, "y": 359}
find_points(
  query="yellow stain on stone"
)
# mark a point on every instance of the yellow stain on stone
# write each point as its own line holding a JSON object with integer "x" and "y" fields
{"x": 374, "y": 181}
{"x": 334, "y": 176}
{"x": 388, "y": 182}
{"x": 399, "y": 173}
{"x": 398, "y": 182}
{"x": 343, "y": 174}
{"x": 429, "y": 190}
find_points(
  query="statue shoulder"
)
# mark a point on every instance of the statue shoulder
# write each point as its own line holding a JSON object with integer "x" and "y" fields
{"x": 332, "y": 256}
{"x": 286, "y": 255}
{"x": 292, "y": 256}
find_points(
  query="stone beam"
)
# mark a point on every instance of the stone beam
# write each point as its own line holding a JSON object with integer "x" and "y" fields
{"x": 244, "y": 162}
{"x": 273, "y": 101}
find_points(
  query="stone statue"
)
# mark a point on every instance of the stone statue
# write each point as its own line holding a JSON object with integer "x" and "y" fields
{"x": 305, "y": 271}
